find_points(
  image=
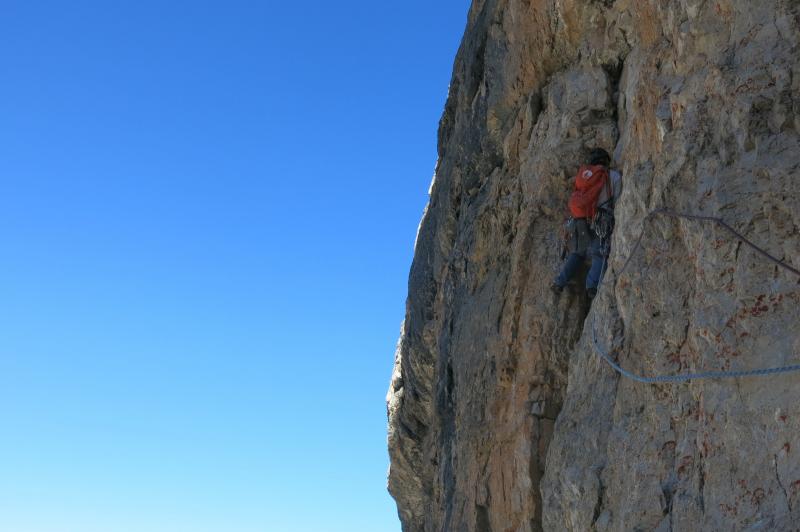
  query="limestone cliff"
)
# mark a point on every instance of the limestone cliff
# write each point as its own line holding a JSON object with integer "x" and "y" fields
{"x": 501, "y": 415}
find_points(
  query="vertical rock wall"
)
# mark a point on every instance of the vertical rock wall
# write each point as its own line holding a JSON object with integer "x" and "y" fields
{"x": 501, "y": 417}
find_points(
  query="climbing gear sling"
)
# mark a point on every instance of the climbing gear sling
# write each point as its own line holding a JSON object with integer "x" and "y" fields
{"x": 603, "y": 225}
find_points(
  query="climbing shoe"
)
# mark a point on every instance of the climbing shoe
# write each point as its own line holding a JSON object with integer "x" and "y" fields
{"x": 591, "y": 292}
{"x": 556, "y": 288}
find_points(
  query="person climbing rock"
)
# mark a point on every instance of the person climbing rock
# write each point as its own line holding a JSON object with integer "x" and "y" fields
{"x": 591, "y": 220}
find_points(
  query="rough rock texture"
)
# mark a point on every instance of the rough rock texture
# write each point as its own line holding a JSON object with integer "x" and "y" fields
{"x": 501, "y": 416}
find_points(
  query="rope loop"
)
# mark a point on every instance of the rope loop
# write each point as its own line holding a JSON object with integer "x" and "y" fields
{"x": 703, "y": 374}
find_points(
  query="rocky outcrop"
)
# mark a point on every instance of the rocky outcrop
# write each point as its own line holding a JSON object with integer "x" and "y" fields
{"x": 501, "y": 415}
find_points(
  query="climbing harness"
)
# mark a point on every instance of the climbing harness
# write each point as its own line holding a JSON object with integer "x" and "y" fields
{"x": 703, "y": 374}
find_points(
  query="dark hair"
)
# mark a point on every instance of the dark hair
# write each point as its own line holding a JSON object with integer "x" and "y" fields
{"x": 599, "y": 156}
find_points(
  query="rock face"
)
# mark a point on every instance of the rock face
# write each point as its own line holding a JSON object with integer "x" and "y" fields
{"x": 501, "y": 415}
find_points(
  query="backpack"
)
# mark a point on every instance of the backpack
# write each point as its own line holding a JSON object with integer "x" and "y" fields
{"x": 589, "y": 183}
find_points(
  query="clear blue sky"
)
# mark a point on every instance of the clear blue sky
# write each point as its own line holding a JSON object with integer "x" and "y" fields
{"x": 207, "y": 215}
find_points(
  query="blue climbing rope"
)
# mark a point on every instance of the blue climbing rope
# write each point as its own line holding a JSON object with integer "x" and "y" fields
{"x": 703, "y": 374}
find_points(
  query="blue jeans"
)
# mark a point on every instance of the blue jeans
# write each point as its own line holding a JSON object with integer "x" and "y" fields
{"x": 574, "y": 262}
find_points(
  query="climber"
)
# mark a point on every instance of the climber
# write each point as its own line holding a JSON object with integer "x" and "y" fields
{"x": 592, "y": 220}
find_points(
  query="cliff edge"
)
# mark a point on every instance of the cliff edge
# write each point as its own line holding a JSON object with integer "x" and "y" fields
{"x": 502, "y": 416}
